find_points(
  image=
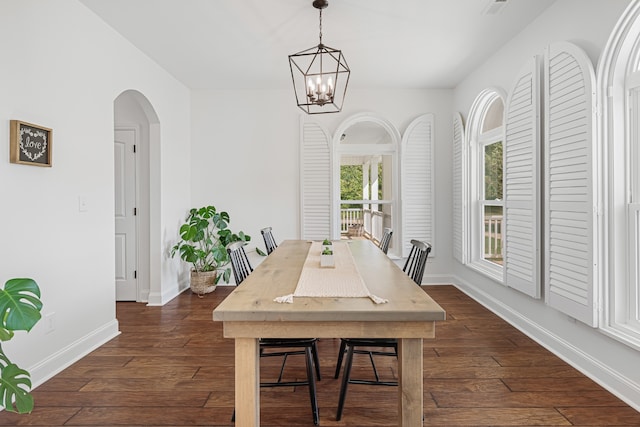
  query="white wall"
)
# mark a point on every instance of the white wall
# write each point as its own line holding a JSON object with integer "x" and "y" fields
{"x": 63, "y": 68}
{"x": 586, "y": 23}
{"x": 246, "y": 156}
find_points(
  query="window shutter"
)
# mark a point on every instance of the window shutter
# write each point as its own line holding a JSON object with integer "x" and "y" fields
{"x": 569, "y": 192}
{"x": 315, "y": 182}
{"x": 417, "y": 182}
{"x": 522, "y": 182}
{"x": 459, "y": 178}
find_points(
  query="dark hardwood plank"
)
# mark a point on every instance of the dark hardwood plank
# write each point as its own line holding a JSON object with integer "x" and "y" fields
{"x": 526, "y": 399}
{"x": 445, "y": 371}
{"x": 41, "y": 416}
{"x": 593, "y": 416}
{"x": 495, "y": 417}
{"x": 491, "y": 351}
{"x": 185, "y": 398}
{"x": 476, "y": 385}
{"x": 578, "y": 383}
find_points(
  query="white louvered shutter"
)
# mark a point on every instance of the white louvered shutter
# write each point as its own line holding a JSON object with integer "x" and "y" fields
{"x": 417, "y": 182}
{"x": 315, "y": 182}
{"x": 459, "y": 177}
{"x": 521, "y": 187}
{"x": 569, "y": 192}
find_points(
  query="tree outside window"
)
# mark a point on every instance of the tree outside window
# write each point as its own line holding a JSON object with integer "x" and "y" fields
{"x": 351, "y": 184}
{"x": 493, "y": 209}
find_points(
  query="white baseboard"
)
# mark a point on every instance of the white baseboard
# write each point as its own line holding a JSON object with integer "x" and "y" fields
{"x": 437, "y": 279}
{"x": 603, "y": 374}
{"x": 75, "y": 351}
{"x": 160, "y": 299}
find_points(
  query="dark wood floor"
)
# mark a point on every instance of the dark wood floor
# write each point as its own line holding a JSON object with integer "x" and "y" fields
{"x": 172, "y": 367}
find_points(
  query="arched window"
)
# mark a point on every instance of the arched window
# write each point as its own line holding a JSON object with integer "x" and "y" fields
{"x": 485, "y": 214}
{"x": 619, "y": 97}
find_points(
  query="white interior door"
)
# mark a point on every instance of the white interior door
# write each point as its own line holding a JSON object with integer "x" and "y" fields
{"x": 125, "y": 218}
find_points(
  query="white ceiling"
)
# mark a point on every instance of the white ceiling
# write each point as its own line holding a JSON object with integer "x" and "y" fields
{"x": 244, "y": 44}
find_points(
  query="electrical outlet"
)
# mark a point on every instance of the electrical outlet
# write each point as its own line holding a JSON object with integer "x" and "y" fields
{"x": 50, "y": 322}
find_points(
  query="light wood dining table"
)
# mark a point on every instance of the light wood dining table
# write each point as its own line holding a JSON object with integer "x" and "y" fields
{"x": 250, "y": 313}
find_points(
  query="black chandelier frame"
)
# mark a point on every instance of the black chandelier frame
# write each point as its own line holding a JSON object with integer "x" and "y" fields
{"x": 320, "y": 75}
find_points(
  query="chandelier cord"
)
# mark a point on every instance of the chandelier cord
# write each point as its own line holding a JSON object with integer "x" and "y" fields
{"x": 320, "y": 26}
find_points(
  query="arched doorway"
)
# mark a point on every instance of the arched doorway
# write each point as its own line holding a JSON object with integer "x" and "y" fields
{"x": 136, "y": 139}
{"x": 367, "y": 145}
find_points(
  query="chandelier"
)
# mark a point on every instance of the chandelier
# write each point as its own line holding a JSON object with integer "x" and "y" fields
{"x": 320, "y": 75}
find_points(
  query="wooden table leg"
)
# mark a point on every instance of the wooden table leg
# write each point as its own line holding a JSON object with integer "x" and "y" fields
{"x": 410, "y": 387}
{"x": 247, "y": 382}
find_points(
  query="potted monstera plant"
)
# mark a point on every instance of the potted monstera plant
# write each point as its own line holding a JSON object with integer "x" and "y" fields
{"x": 203, "y": 240}
{"x": 20, "y": 308}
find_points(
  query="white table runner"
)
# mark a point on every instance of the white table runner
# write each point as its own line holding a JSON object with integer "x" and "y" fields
{"x": 341, "y": 281}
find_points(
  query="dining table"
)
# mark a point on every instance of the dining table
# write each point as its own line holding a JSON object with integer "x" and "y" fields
{"x": 270, "y": 303}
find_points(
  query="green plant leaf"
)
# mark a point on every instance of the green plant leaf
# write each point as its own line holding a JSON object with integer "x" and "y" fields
{"x": 220, "y": 255}
{"x": 188, "y": 253}
{"x": 187, "y": 232}
{"x": 15, "y": 386}
{"x": 206, "y": 212}
{"x": 20, "y": 307}
{"x": 5, "y": 334}
{"x": 20, "y": 304}
{"x": 260, "y": 252}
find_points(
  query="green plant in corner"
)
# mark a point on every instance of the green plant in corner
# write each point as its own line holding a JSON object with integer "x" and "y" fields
{"x": 20, "y": 308}
{"x": 204, "y": 239}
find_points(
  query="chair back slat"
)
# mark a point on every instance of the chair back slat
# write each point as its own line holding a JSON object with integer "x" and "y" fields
{"x": 269, "y": 242}
{"x": 386, "y": 239}
{"x": 417, "y": 260}
{"x": 239, "y": 262}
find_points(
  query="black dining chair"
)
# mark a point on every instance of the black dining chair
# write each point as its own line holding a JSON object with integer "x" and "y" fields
{"x": 240, "y": 264}
{"x": 417, "y": 260}
{"x": 269, "y": 242}
{"x": 386, "y": 239}
{"x": 280, "y": 347}
{"x": 414, "y": 267}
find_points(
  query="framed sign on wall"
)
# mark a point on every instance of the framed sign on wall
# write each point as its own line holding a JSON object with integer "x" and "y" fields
{"x": 30, "y": 144}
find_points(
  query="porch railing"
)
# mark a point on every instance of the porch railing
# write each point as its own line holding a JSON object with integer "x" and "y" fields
{"x": 362, "y": 222}
{"x": 350, "y": 219}
{"x": 370, "y": 224}
{"x": 493, "y": 238}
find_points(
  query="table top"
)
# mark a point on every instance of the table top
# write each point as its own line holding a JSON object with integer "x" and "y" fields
{"x": 278, "y": 275}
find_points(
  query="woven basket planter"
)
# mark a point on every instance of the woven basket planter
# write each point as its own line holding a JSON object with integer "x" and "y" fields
{"x": 203, "y": 282}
